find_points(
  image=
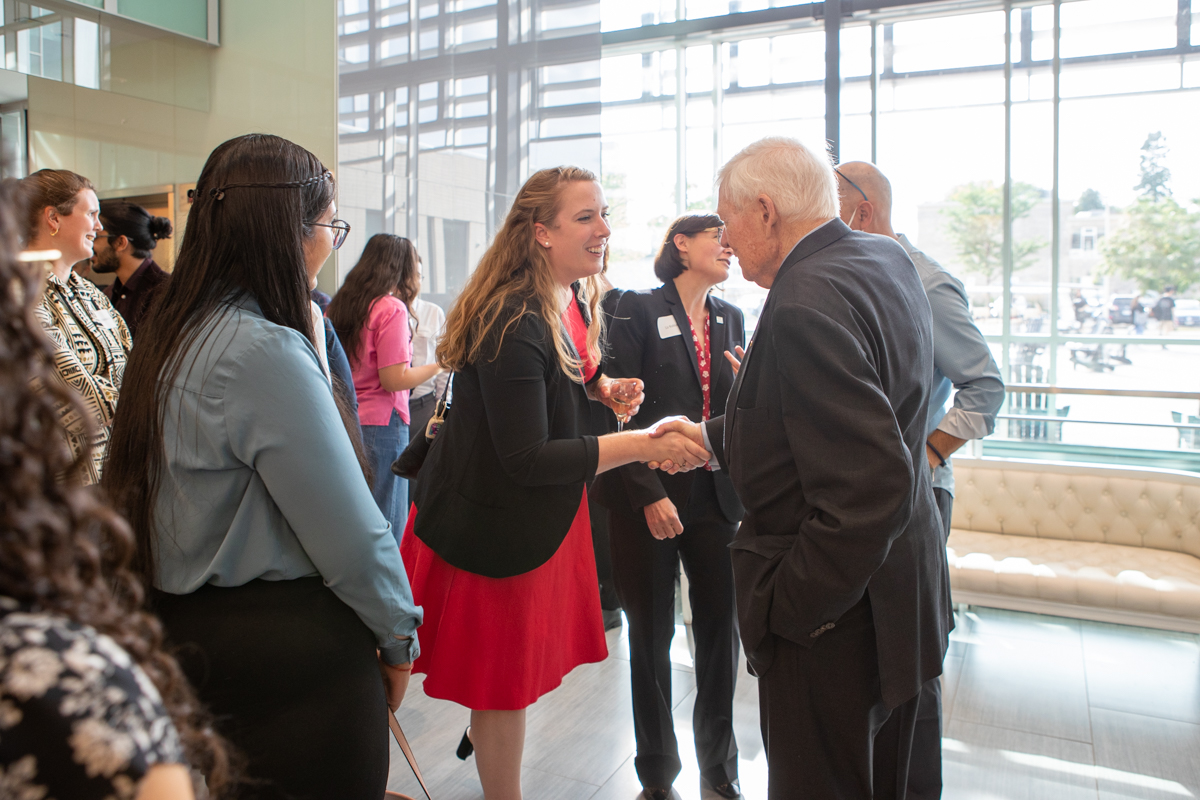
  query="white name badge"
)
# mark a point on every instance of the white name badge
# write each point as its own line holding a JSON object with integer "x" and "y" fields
{"x": 720, "y": 320}
{"x": 667, "y": 327}
{"x": 104, "y": 318}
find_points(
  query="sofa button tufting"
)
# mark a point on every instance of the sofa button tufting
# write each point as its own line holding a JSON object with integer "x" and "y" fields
{"x": 1104, "y": 529}
{"x": 1124, "y": 513}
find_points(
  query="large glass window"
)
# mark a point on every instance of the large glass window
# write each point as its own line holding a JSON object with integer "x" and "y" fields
{"x": 1040, "y": 152}
{"x": 445, "y": 108}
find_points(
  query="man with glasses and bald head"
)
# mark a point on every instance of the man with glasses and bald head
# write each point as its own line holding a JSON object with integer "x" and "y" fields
{"x": 963, "y": 365}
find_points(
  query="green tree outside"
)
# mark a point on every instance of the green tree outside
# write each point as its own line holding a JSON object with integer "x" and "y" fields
{"x": 1090, "y": 200}
{"x": 1159, "y": 245}
{"x": 975, "y": 223}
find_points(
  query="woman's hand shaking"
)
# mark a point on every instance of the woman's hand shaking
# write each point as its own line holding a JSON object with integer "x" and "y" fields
{"x": 670, "y": 428}
{"x": 680, "y": 445}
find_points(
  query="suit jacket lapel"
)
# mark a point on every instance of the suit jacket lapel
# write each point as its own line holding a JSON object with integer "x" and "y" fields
{"x": 822, "y": 237}
{"x": 671, "y": 295}
{"x": 731, "y": 405}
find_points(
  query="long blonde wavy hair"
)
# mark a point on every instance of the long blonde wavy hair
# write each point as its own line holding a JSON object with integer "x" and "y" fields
{"x": 514, "y": 269}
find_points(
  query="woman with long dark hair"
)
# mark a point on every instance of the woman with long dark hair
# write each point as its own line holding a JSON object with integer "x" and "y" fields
{"x": 499, "y": 546}
{"x": 91, "y": 340}
{"x": 90, "y": 704}
{"x": 276, "y": 574}
{"x": 370, "y": 314}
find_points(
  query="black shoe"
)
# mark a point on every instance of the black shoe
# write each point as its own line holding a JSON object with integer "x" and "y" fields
{"x": 729, "y": 790}
{"x": 465, "y": 748}
{"x": 612, "y": 618}
{"x": 656, "y": 793}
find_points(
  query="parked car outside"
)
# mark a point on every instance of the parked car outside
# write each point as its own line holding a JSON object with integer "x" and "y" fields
{"x": 1120, "y": 309}
{"x": 1187, "y": 312}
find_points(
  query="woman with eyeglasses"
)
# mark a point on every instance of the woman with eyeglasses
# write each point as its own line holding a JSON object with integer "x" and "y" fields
{"x": 675, "y": 338}
{"x": 370, "y": 314}
{"x": 276, "y": 576}
{"x": 91, "y": 340}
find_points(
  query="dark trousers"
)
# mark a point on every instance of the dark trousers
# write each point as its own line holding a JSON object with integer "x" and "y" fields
{"x": 825, "y": 728}
{"x": 925, "y": 768}
{"x": 644, "y": 571}
{"x": 419, "y": 412}
{"x": 290, "y": 674}
{"x": 602, "y": 548}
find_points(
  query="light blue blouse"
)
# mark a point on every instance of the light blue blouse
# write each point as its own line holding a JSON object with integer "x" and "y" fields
{"x": 261, "y": 480}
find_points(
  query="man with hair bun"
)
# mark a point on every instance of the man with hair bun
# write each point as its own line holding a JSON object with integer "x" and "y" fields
{"x": 130, "y": 234}
{"x": 839, "y": 567}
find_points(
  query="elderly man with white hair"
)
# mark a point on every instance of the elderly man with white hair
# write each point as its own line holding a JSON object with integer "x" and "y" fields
{"x": 842, "y": 588}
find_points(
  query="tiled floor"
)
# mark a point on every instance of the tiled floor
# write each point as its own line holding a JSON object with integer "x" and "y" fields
{"x": 1036, "y": 707}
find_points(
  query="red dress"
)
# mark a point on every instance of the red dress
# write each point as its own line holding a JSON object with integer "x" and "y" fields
{"x": 501, "y": 643}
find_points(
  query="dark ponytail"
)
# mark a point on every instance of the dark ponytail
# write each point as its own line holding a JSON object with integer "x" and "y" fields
{"x": 142, "y": 229}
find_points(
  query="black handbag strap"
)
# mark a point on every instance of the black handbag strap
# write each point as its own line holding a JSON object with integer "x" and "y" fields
{"x": 402, "y": 740}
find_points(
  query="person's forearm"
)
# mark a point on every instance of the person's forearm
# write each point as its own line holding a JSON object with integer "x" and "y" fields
{"x": 944, "y": 443}
{"x": 618, "y": 449}
{"x": 410, "y": 378}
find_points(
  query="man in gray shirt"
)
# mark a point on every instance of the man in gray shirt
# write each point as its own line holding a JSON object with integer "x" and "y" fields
{"x": 963, "y": 364}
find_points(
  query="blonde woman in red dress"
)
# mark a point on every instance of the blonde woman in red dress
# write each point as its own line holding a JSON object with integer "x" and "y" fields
{"x": 498, "y": 545}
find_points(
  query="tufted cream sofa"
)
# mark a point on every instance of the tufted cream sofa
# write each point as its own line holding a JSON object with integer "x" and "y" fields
{"x": 1116, "y": 545}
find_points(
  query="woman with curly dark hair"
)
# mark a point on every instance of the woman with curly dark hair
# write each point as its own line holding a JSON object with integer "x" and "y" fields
{"x": 90, "y": 705}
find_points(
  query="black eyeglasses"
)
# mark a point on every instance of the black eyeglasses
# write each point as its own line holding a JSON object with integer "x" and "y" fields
{"x": 341, "y": 230}
{"x": 852, "y": 183}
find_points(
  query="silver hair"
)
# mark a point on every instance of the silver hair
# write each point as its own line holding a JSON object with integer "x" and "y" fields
{"x": 798, "y": 180}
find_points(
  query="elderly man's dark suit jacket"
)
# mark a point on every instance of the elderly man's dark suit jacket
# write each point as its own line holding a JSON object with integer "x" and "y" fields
{"x": 824, "y": 438}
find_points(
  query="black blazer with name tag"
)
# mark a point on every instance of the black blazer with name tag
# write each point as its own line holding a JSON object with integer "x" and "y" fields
{"x": 824, "y": 438}
{"x": 650, "y": 338}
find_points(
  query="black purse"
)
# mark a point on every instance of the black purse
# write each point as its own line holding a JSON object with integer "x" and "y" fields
{"x": 409, "y": 463}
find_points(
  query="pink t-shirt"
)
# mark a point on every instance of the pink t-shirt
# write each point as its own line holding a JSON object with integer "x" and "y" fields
{"x": 385, "y": 343}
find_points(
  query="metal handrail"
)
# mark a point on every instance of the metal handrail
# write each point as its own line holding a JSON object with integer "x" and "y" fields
{"x": 1048, "y": 418}
{"x": 1044, "y": 388}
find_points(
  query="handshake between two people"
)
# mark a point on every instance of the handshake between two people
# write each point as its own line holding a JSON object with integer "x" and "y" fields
{"x": 673, "y": 444}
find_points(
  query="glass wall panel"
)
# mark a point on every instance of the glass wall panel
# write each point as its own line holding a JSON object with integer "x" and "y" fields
{"x": 941, "y": 143}
{"x": 661, "y": 150}
{"x": 1031, "y": 263}
{"x": 441, "y": 121}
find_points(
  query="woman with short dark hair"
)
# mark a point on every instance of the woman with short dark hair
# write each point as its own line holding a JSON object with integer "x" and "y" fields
{"x": 674, "y": 338}
{"x": 276, "y": 575}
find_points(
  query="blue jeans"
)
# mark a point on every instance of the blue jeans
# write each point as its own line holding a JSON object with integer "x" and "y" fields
{"x": 384, "y": 444}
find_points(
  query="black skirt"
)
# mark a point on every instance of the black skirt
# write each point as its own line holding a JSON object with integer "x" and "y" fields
{"x": 290, "y": 673}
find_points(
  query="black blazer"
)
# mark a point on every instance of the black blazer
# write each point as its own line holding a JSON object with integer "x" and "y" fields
{"x": 671, "y": 372}
{"x": 503, "y": 480}
{"x": 824, "y": 439}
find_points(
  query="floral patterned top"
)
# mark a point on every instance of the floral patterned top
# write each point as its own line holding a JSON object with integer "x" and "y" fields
{"x": 78, "y": 719}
